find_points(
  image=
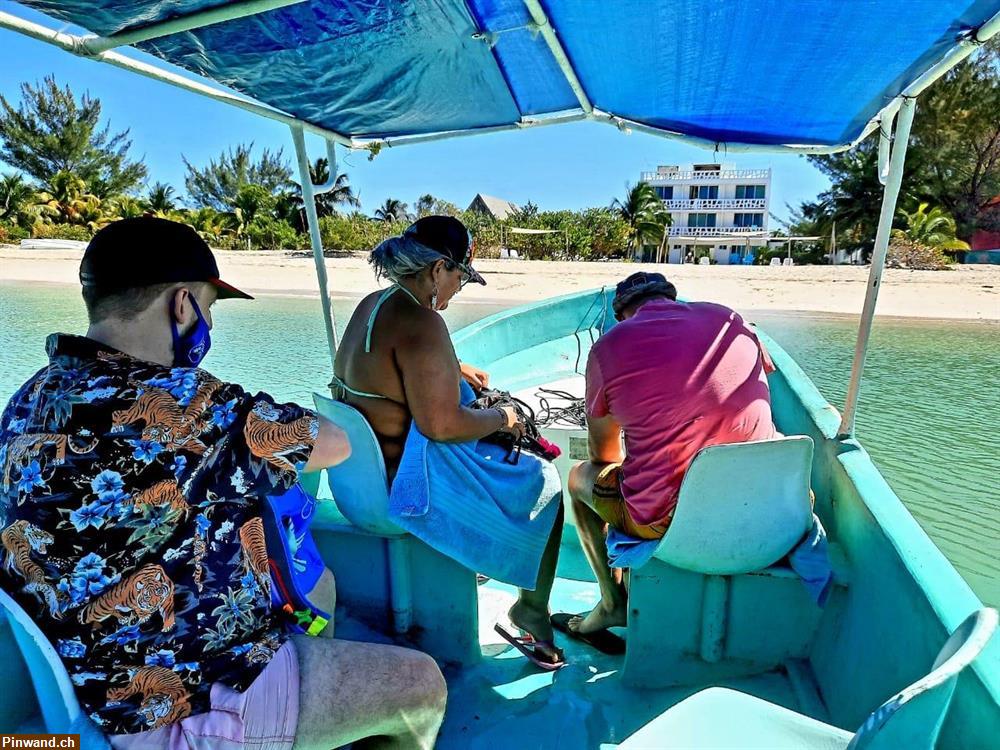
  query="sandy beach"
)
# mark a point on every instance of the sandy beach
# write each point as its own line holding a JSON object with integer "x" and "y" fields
{"x": 967, "y": 292}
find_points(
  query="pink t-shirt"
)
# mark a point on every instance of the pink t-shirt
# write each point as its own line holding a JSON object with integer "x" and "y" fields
{"x": 677, "y": 376}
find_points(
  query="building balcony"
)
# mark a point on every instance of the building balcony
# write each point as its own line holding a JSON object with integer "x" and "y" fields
{"x": 716, "y": 204}
{"x": 699, "y": 176}
{"x": 678, "y": 231}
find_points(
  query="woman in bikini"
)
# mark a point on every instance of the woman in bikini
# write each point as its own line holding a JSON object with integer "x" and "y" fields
{"x": 396, "y": 365}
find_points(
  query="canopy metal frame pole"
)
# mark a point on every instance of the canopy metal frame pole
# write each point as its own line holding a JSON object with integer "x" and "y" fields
{"x": 890, "y": 194}
{"x": 72, "y": 44}
{"x": 559, "y": 53}
{"x": 309, "y": 193}
{"x": 95, "y": 45}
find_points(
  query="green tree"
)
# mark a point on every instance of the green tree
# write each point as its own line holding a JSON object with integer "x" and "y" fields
{"x": 267, "y": 233}
{"x": 645, "y": 214}
{"x": 445, "y": 208}
{"x": 218, "y": 184}
{"x": 353, "y": 232}
{"x": 50, "y": 132}
{"x": 424, "y": 205}
{"x": 933, "y": 228}
{"x": 253, "y": 201}
{"x": 392, "y": 210}
{"x": 160, "y": 199}
{"x": 17, "y": 200}
{"x": 608, "y": 234}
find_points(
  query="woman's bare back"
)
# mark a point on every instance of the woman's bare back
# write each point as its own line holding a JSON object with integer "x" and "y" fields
{"x": 375, "y": 372}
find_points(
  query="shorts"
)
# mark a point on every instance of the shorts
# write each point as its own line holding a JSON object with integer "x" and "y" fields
{"x": 609, "y": 503}
{"x": 263, "y": 717}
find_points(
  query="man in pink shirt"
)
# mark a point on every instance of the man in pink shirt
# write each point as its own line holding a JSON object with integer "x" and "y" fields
{"x": 674, "y": 377}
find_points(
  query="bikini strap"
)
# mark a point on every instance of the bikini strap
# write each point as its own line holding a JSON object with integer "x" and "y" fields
{"x": 338, "y": 383}
{"x": 378, "y": 306}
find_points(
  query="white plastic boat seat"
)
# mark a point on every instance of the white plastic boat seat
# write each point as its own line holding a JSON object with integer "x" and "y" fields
{"x": 60, "y": 710}
{"x": 742, "y": 507}
{"x": 697, "y": 608}
{"x": 720, "y": 718}
{"x": 379, "y": 568}
{"x": 723, "y": 718}
{"x": 359, "y": 485}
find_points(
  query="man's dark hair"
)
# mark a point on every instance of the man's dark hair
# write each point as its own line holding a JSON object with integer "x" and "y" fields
{"x": 123, "y": 303}
{"x": 638, "y": 288}
{"x": 642, "y": 299}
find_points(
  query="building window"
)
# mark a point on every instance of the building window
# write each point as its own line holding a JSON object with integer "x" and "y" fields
{"x": 704, "y": 192}
{"x": 665, "y": 193}
{"x": 749, "y": 191}
{"x": 701, "y": 220}
{"x": 748, "y": 220}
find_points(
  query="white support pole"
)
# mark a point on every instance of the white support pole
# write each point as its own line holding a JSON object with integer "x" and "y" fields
{"x": 312, "y": 219}
{"x": 95, "y": 45}
{"x": 890, "y": 194}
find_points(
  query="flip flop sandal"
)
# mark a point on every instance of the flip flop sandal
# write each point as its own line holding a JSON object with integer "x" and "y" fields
{"x": 603, "y": 640}
{"x": 530, "y": 648}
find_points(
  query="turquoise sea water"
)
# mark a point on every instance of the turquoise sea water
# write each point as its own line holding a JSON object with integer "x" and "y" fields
{"x": 929, "y": 415}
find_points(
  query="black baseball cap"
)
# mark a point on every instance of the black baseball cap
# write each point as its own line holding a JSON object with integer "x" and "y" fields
{"x": 638, "y": 285}
{"x": 448, "y": 236}
{"x": 147, "y": 250}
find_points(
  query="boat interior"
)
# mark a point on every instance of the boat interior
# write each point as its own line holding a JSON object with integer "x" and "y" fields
{"x": 722, "y": 609}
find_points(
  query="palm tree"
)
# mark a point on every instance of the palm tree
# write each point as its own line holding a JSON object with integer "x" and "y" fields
{"x": 90, "y": 213}
{"x": 645, "y": 215}
{"x": 933, "y": 228}
{"x": 17, "y": 200}
{"x": 342, "y": 194}
{"x": 124, "y": 207}
{"x": 66, "y": 200}
{"x": 160, "y": 199}
{"x": 392, "y": 210}
{"x": 208, "y": 223}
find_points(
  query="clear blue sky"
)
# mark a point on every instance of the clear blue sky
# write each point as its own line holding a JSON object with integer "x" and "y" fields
{"x": 569, "y": 166}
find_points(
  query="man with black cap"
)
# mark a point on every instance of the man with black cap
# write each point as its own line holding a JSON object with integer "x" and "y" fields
{"x": 131, "y": 503}
{"x": 675, "y": 377}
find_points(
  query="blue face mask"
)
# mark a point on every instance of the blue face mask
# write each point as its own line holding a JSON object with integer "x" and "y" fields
{"x": 191, "y": 348}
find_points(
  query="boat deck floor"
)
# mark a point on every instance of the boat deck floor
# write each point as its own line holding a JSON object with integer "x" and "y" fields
{"x": 504, "y": 701}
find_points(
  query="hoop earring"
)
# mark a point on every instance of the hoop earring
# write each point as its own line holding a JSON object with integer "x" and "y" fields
{"x": 434, "y": 298}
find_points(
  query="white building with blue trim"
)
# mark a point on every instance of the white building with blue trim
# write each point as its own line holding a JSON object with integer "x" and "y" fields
{"x": 718, "y": 211}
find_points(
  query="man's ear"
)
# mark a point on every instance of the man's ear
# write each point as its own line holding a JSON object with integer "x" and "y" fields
{"x": 179, "y": 306}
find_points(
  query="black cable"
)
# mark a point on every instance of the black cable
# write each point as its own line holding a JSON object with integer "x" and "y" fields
{"x": 572, "y": 414}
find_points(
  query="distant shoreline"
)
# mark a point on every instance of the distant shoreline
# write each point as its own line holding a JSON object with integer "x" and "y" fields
{"x": 966, "y": 293}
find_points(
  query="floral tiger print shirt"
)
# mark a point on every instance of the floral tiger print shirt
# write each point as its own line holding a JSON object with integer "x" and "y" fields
{"x": 130, "y": 513}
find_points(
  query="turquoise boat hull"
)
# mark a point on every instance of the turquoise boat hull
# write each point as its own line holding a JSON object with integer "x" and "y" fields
{"x": 895, "y": 603}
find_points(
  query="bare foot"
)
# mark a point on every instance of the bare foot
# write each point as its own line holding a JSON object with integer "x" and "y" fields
{"x": 536, "y": 623}
{"x": 604, "y": 615}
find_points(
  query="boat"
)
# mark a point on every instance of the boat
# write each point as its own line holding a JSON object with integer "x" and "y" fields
{"x": 713, "y": 649}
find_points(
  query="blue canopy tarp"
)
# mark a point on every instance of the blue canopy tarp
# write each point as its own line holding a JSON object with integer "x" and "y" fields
{"x": 765, "y": 72}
